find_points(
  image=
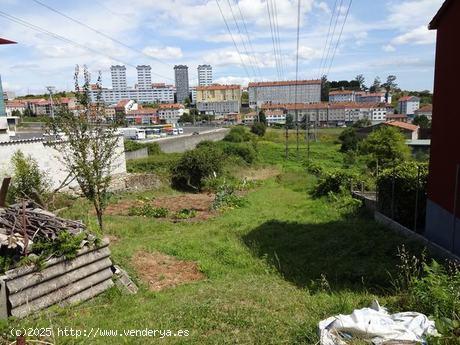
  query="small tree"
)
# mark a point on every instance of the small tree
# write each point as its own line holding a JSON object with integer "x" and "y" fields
{"x": 376, "y": 85}
{"x": 349, "y": 140}
{"x": 262, "y": 118}
{"x": 422, "y": 121}
{"x": 289, "y": 121}
{"x": 28, "y": 180}
{"x": 259, "y": 129}
{"x": 385, "y": 146}
{"x": 361, "y": 80}
{"x": 362, "y": 123}
{"x": 89, "y": 144}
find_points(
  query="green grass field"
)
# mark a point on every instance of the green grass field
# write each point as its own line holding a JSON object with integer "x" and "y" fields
{"x": 273, "y": 268}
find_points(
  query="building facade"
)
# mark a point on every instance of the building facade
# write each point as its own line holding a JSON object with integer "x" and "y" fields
{"x": 144, "y": 77}
{"x": 278, "y": 92}
{"x": 408, "y": 105}
{"x": 118, "y": 74}
{"x": 443, "y": 206}
{"x": 342, "y": 96}
{"x": 170, "y": 113}
{"x": 218, "y": 99}
{"x": 182, "y": 85}
{"x": 426, "y": 110}
{"x": 204, "y": 75}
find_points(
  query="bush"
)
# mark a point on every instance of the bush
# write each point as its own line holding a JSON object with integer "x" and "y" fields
{"x": 226, "y": 197}
{"x": 185, "y": 213}
{"x": 244, "y": 150}
{"x": 405, "y": 191}
{"x": 258, "y": 129}
{"x": 28, "y": 181}
{"x": 238, "y": 134}
{"x": 148, "y": 211}
{"x": 349, "y": 140}
{"x": 152, "y": 148}
{"x": 160, "y": 164}
{"x": 334, "y": 181}
{"x": 196, "y": 165}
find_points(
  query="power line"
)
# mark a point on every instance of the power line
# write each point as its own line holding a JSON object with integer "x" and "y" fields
{"x": 65, "y": 39}
{"x": 256, "y": 61}
{"x": 340, "y": 36}
{"x": 297, "y": 75}
{"x": 273, "y": 40}
{"x": 277, "y": 36}
{"x": 242, "y": 39}
{"x": 327, "y": 40}
{"x": 231, "y": 35}
{"x": 333, "y": 34}
{"x": 99, "y": 32}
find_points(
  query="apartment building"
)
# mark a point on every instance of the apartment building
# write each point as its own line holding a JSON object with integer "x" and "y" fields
{"x": 408, "y": 105}
{"x": 182, "y": 84}
{"x": 340, "y": 96}
{"x": 278, "y": 92}
{"x": 326, "y": 114}
{"x": 144, "y": 77}
{"x": 218, "y": 99}
{"x": 142, "y": 116}
{"x": 13, "y": 106}
{"x": 426, "y": 110}
{"x": 118, "y": 74}
{"x": 170, "y": 113}
{"x": 204, "y": 75}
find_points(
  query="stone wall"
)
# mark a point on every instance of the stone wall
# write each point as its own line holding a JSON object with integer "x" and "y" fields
{"x": 187, "y": 142}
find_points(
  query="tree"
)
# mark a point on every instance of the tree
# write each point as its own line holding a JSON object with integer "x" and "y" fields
{"x": 390, "y": 84}
{"x": 386, "y": 147}
{"x": 16, "y": 112}
{"x": 325, "y": 87}
{"x": 349, "y": 140}
{"x": 259, "y": 129}
{"x": 89, "y": 144}
{"x": 187, "y": 102}
{"x": 262, "y": 118}
{"x": 360, "y": 79}
{"x": 422, "y": 121}
{"x": 362, "y": 123}
{"x": 289, "y": 121}
{"x": 245, "y": 97}
{"x": 375, "y": 85}
{"x": 186, "y": 118}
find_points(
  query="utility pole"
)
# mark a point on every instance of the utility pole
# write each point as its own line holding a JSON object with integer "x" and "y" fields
{"x": 50, "y": 90}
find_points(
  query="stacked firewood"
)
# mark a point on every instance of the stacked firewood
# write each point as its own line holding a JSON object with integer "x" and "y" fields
{"x": 23, "y": 223}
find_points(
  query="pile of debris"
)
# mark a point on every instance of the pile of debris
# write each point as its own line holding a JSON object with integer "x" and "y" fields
{"x": 24, "y": 223}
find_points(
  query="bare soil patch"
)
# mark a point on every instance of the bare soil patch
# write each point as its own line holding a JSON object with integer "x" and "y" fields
{"x": 161, "y": 271}
{"x": 201, "y": 203}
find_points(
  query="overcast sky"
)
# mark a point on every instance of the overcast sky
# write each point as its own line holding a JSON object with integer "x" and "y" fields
{"x": 381, "y": 37}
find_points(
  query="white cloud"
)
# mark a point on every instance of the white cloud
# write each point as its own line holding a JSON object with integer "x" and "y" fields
{"x": 412, "y": 13}
{"x": 419, "y": 35}
{"x": 232, "y": 80}
{"x": 164, "y": 53}
{"x": 308, "y": 53}
{"x": 388, "y": 48}
{"x": 323, "y": 6}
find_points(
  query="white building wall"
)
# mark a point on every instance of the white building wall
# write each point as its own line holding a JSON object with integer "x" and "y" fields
{"x": 49, "y": 159}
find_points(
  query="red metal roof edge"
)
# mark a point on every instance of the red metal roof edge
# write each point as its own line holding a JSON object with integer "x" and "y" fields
{"x": 5, "y": 41}
{"x": 434, "y": 24}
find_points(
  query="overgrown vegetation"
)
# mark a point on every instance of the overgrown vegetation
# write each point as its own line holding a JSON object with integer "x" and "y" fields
{"x": 148, "y": 210}
{"x": 28, "y": 182}
{"x": 133, "y": 145}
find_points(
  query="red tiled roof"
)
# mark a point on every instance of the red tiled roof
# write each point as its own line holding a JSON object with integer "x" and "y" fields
{"x": 425, "y": 109}
{"x": 373, "y": 94}
{"x": 143, "y": 111}
{"x": 218, "y": 87}
{"x": 405, "y": 98}
{"x": 285, "y": 83}
{"x": 14, "y": 104}
{"x": 122, "y": 102}
{"x": 402, "y": 125}
{"x": 171, "y": 106}
{"x": 341, "y": 92}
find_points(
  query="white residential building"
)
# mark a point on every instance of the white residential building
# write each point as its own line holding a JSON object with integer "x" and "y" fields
{"x": 118, "y": 77}
{"x": 408, "y": 105}
{"x": 144, "y": 77}
{"x": 342, "y": 96}
{"x": 170, "y": 113}
{"x": 278, "y": 92}
{"x": 204, "y": 75}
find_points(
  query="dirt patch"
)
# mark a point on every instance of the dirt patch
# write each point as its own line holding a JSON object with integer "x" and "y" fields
{"x": 258, "y": 174}
{"x": 161, "y": 271}
{"x": 201, "y": 203}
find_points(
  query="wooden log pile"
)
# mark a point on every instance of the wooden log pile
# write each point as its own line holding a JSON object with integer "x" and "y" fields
{"x": 25, "y": 222}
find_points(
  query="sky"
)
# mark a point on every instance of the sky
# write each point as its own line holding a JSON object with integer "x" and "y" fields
{"x": 380, "y": 38}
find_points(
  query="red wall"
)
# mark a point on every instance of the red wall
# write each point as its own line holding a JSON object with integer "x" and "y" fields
{"x": 445, "y": 142}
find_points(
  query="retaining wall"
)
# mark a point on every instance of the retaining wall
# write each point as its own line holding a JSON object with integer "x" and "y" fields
{"x": 141, "y": 153}
{"x": 26, "y": 290}
{"x": 183, "y": 143}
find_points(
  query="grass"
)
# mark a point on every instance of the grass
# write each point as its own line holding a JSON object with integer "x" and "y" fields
{"x": 273, "y": 268}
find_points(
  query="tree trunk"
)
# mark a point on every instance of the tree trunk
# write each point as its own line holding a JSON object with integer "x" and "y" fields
{"x": 99, "y": 218}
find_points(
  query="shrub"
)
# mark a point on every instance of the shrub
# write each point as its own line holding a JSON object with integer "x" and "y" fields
{"x": 148, "y": 210}
{"x": 244, "y": 150}
{"x": 258, "y": 129}
{"x": 402, "y": 209}
{"x": 160, "y": 164}
{"x": 28, "y": 181}
{"x": 206, "y": 143}
{"x": 349, "y": 140}
{"x": 226, "y": 197}
{"x": 152, "y": 148}
{"x": 185, "y": 213}
{"x": 238, "y": 134}
{"x": 315, "y": 168}
{"x": 196, "y": 165}
{"x": 334, "y": 181}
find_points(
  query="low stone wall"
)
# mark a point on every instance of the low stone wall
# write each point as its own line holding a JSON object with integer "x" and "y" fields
{"x": 26, "y": 290}
{"x": 183, "y": 143}
{"x": 141, "y": 153}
